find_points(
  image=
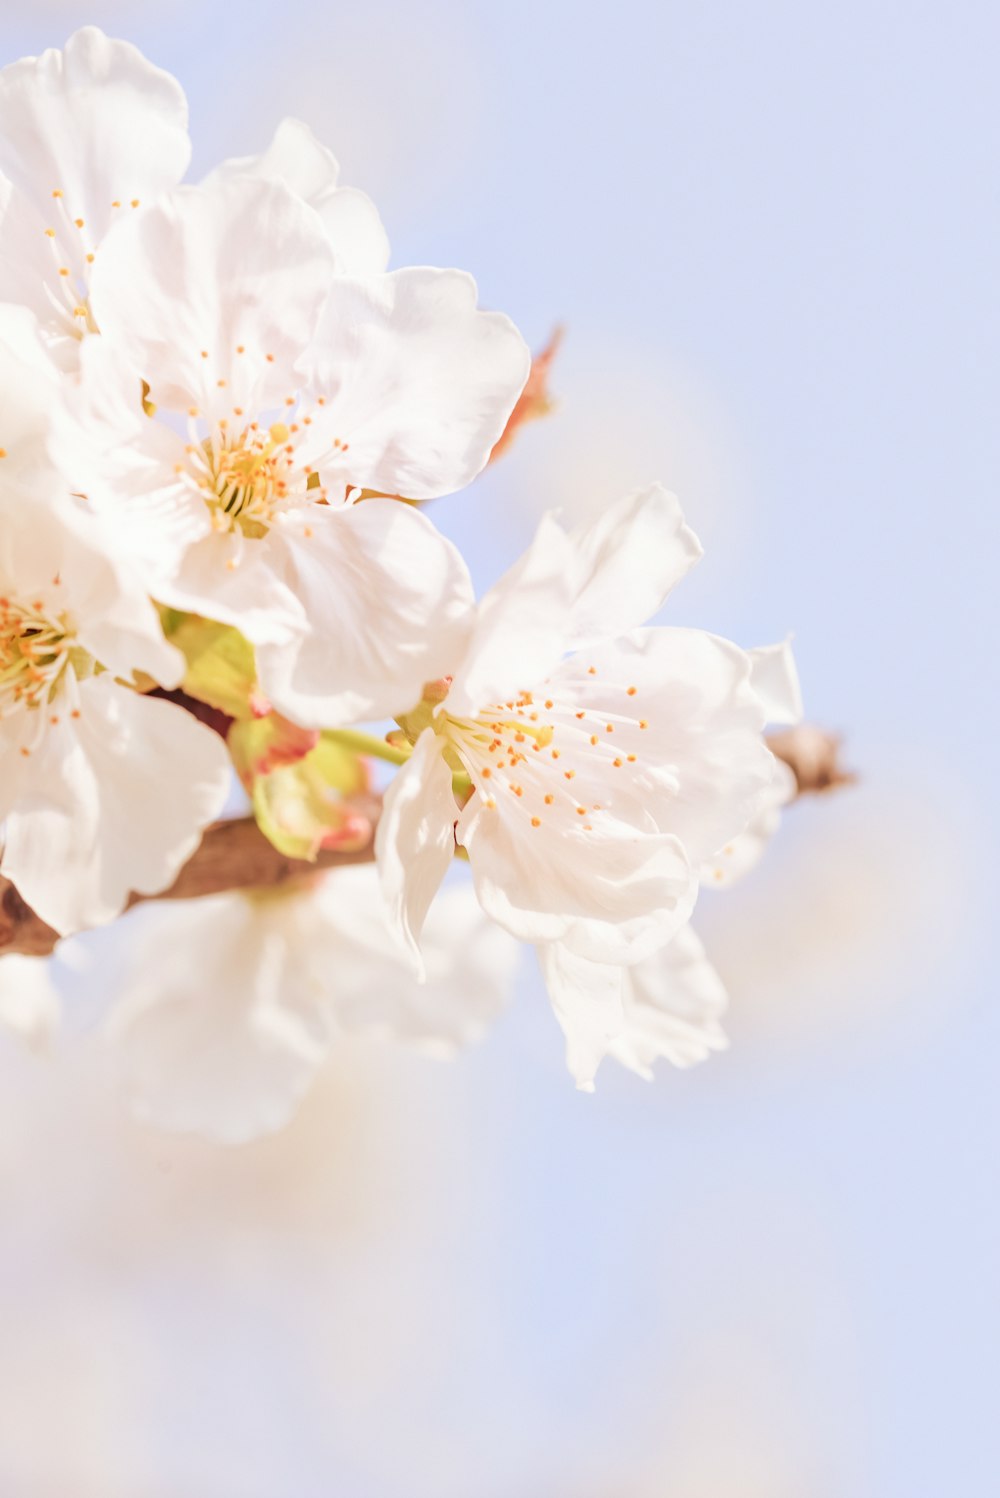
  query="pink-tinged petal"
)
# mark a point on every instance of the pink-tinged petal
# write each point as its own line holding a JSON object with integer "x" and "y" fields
{"x": 415, "y": 840}
{"x": 628, "y": 561}
{"x": 520, "y": 630}
{"x": 296, "y": 158}
{"x": 221, "y": 1027}
{"x": 87, "y": 132}
{"x": 388, "y": 601}
{"x": 184, "y": 287}
{"x": 113, "y": 800}
{"x": 587, "y": 1000}
{"x": 419, "y": 383}
{"x": 775, "y": 680}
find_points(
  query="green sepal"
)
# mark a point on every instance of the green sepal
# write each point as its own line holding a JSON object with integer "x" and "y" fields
{"x": 297, "y": 783}
{"x": 221, "y": 669}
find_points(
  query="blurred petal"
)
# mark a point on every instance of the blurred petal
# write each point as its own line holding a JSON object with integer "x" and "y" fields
{"x": 470, "y": 967}
{"x": 29, "y": 1002}
{"x": 219, "y": 1031}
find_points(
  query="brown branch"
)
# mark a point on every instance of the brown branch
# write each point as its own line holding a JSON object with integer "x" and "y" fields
{"x": 236, "y": 854}
{"x": 231, "y": 855}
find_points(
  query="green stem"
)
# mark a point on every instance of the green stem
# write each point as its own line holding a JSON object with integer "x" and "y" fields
{"x": 367, "y": 743}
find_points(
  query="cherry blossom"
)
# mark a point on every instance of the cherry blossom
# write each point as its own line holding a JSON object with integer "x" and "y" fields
{"x": 102, "y": 790}
{"x": 290, "y": 401}
{"x": 598, "y": 781}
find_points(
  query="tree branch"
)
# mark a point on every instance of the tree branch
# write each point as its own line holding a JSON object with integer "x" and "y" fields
{"x": 232, "y": 855}
{"x": 236, "y": 855}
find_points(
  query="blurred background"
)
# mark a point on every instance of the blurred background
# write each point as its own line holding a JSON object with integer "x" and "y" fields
{"x": 771, "y": 231}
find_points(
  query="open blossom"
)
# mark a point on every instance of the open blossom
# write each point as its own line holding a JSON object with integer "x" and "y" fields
{"x": 286, "y": 396}
{"x": 95, "y": 132}
{"x": 230, "y": 1004}
{"x": 102, "y": 790}
{"x": 601, "y": 779}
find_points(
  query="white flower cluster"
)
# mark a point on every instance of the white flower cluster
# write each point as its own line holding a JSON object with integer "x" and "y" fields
{"x": 218, "y": 411}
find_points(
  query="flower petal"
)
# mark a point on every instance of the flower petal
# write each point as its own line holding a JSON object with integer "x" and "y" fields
{"x": 667, "y": 1005}
{"x": 608, "y": 893}
{"x": 673, "y": 1001}
{"x": 744, "y": 851}
{"x": 388, "y": 603}
{"x": 701, "y": 766}
{"x": 373, "y": 991}
{"x": 96, "y": 122}
{"x": 415, "y": 840}
{"x": 112, "y": 801}
{"x": 296, "y": 158}
{"x": 775, "y": 680}
{"x": 520, "y": 629}
{"x": 587, "y": 1000}
{"x": 628, "y": 561}
{"x": 183, "y": 287}
{"x": 420, "y": 383}
{"x": 220, "y": 1029}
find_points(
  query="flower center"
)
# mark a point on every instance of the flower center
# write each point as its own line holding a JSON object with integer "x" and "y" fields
{"x": 35, "y": 649}
{"x": 245, "y": 478}
{"x": 250, "y": 474}
{"x": 567, "y": 759}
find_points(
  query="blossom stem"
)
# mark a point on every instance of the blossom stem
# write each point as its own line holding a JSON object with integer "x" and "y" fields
{"x": 368, "y": 743}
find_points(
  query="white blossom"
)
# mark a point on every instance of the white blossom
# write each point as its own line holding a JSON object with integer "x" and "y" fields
{"x": 287, "y": 396}
{"x": 670, "y": 1003}
{"x": 102, "y": 790}
{"x": 601, "y": 780}
{"x": 229, "y": 1005}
